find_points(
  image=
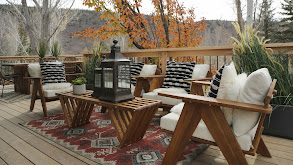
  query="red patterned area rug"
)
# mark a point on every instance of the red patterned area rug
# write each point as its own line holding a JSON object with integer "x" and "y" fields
{"x": 98, "y": 140}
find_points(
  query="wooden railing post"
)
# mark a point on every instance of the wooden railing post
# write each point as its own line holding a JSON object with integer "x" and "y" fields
{"x": 164, "y": 57}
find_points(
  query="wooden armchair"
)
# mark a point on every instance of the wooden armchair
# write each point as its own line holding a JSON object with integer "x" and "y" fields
{"x": 156, "y": 82}
{"x": 45, "y": 92}
{"x": 4, "y": 78}
{"x": 148, "y": 83}
{"x": 198, "y": 107}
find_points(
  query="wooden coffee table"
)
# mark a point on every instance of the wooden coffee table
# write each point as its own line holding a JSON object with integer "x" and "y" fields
{"x": 130, "y": 118}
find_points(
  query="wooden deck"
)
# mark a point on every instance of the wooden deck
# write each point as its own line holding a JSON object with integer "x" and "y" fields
{"x": 21, "y": 146}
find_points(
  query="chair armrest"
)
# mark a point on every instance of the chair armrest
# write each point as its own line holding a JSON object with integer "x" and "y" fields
{"x": 149, "y": 77}
{"x": 201, "y": 83}
{"x": 34, "y": 78}
{"x": 202, "y": 79}
{"x": 74, "y": 74}
{"x": 12, "y": 75}
{"x": 218, "y": 102}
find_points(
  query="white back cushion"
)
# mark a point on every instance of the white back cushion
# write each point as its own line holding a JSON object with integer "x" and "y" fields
{"x": 233, "y": 94}
{"x": 200, "y": 71}
{"x": 229, "y": 74}
{"x": 254, "y": 91}
{"x": 148, "y": 70}
{"x": 34, "y": 70}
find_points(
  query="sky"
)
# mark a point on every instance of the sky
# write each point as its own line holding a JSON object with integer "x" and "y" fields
{"x": 209, "y": 9}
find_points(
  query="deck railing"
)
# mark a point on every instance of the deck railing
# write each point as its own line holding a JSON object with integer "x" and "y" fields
{"x": 21, "y": 59}
{"x": 215, "y": 56}
{"x": 212, "y": 55}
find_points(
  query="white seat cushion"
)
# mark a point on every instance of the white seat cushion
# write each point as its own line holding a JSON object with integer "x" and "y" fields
{"x": 169, "y": 122}
{"x": 56, "y": 86}
{"x": 165, "y": 100}
{"x": 50, "y": 90}
{"x": 52, "y": 93}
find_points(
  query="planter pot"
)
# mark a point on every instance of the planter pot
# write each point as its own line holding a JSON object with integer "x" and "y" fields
{"x": 90, "y": 86}
{"x": 79, "y": 89}
{"x": 280, "y": 122}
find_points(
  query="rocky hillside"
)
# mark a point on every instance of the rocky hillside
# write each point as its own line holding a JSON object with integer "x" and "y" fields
{"x": 217, "y": 32}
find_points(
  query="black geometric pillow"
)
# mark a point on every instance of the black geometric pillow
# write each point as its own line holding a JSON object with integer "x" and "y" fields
{"x": 176, "y": 73}
{"x": 53, "y": 73}
{"x": 216, "y": 82}
{"x": 135, "y": 69}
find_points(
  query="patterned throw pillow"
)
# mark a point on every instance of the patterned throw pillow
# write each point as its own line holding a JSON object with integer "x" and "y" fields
{"x": 135, "y": 69}
{"x": 176, "y": 73}
{"x": 216, "y": 82}
{"x": 53, "y": 73}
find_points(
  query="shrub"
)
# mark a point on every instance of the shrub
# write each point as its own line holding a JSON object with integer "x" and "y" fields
{"x": 250, "y": 53}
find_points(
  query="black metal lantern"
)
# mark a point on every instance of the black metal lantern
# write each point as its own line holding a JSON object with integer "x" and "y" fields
{"x": 112, "y": 78}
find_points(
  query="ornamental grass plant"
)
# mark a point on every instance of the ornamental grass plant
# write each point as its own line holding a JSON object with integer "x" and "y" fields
{"x": 250, "y": 54}
{"x": 42, "y": 50}
{"x": 56, "y": 50}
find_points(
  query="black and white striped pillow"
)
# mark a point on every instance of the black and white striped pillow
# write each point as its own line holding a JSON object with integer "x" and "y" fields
{"x": 216, "y": 82}
{"x": 176, "y": 73}
{"x": 53, "y": 73}
{"x": 135, "y": 69}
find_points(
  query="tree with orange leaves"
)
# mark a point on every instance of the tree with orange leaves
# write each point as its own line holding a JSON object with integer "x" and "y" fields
{"x": 170, "y": 25}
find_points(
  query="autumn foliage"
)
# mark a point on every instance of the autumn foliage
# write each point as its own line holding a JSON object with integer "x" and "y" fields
{"x": 170, "y": 25}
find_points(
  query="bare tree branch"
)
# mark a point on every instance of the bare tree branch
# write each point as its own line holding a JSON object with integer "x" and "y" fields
{"x": 17, "y": 11}
{"x": 58, "y": 25}
{"x": 38, "y": 5}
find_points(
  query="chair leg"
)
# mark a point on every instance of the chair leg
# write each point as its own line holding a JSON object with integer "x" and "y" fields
{"x": 43, "y": 100}
{"x": 223, "y": 135}
{"x": 34, "y": 95}
{"x": 262, "y": 149}
{"x": 186, "y": 125}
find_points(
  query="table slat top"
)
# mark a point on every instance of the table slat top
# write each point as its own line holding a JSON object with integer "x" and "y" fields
{"x": 135, "y": 104}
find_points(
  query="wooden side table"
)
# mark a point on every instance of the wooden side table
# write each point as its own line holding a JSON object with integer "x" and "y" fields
{"x": 130, "y": 118}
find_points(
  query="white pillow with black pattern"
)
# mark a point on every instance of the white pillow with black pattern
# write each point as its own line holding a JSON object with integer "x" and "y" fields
{"x": 135, "y": 69}
{"x": 53, "y": 72}
{"x": 176, "y": 73}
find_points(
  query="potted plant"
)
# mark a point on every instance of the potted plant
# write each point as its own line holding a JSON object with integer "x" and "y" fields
{"x": 251, "y": 54}
{"x": 42, "y": 50}
{"x": 79, "y": 86}
{"x": 280, "y": 122}
{"x": 56, "y": 50}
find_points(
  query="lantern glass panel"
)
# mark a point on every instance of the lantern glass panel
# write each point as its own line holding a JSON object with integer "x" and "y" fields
{"x": 108, "y": 77}
{"x": 123, "y": 76}
{"x": 98, "y": 78}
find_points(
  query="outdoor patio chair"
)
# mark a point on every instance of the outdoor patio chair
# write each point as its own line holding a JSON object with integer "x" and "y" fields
{"x": 47, "y": 79}
{"x": 204, "y": 119}
{"x": 175, "y": 80}
{"x": 6, "y": 78}
{"x": 138, "y": 85}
